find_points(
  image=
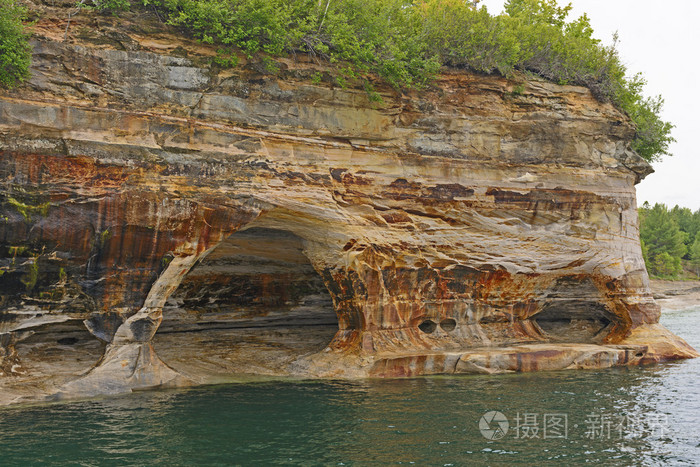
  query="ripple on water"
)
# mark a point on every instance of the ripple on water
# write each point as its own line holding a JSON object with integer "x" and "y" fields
{"x": 406, "y": 421}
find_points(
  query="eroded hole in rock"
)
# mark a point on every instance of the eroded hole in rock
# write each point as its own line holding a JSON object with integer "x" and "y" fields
{"x": 253, "y": 305}
{"x": 575, "y": 322}
{"x": 574, "y": 312}
{"x": 427, "y": 326}
{"x": 68, "y": 341}
{"x": 63, "y": 349}
{"x": 448, "y": 324}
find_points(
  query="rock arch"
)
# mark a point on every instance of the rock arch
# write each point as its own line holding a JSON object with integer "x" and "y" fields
{"x": 293, "y": 249}
{"x": 256, "y": 305}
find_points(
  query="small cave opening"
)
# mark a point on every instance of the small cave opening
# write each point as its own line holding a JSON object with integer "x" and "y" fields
{"x": 253, "y": 305}
{"x": 67, "y": 341}
{"x": 575, "y": 322}
{"x": 448, "y": 324}
{"x": 428, "y": 326}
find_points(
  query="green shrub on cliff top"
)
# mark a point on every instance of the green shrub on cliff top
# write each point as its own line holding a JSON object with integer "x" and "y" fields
{"x": 534, "y": 36}
{"x": 15, "y": 52}
{"x": 406, "y": 41}
{"x": 111, "y": 6}
{"x": 360, "y": 36}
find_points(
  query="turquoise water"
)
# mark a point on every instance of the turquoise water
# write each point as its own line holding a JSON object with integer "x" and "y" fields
{"x": 654, "y": 415}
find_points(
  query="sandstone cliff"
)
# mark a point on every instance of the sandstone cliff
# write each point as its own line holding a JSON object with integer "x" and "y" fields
{"x": 165, "y": 222}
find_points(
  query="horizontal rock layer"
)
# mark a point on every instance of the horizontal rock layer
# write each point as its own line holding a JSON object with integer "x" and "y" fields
{"x": 204, "y": 223}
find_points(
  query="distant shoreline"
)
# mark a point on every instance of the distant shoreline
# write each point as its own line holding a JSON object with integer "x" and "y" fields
{"x": 676, "y": 295}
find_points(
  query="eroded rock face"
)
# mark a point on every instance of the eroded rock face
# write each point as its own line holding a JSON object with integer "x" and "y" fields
{"x": 201, "y": 223}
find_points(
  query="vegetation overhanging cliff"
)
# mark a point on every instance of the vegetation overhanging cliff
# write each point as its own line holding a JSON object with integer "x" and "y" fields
{"x": 403, "y": 41}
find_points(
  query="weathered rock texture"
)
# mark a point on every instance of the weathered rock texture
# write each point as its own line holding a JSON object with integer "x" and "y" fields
{"x": 166, "y": 223}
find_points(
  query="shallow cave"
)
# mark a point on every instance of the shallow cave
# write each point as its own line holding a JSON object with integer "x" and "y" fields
{"x": 251, "y": 306}
{"x": 574, "y": 321}
{"x": 65, "y": 349}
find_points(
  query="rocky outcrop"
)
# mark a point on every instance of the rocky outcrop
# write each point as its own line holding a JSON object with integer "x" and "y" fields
{"x": 165, "y": 222}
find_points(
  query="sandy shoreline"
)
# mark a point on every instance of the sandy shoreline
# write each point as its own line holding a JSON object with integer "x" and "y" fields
{"x": 676, "y": 295}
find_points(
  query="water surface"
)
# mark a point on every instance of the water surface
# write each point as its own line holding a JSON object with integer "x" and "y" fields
{"x": 627, "y": 416}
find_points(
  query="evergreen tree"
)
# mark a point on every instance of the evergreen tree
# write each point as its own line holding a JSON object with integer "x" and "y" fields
{"x": 688, "y": 222}
{"x": 664, "y": 241}
{"x": 695, "y": 255}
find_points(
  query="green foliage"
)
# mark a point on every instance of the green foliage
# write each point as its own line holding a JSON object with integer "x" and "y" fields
{"x": 15, "y": 52}
{"x": 360, "y": 36}
{"x": 406, "y": 41}
{"x": 225, "y": 59}
{"x": 534, "y": 36}
{"x": 27, "y": 209}
{"x": 645, "y": 251}
{"x": 538, "y": 12}
{"x": 695, "y": 255}
{"x": 105, "y": 235}
{"x": 688, "y": 222}
{"x": 17, "y": 251}
{"x": 668, "y": 237}
{"x": 666, "y": 266}
{"x": 465, "y": 37}
{"x": 518, "y": 90}
{"x": 106, "y": 6}
{"x": 32, "y": 276}
{"x": 653, "y": 135}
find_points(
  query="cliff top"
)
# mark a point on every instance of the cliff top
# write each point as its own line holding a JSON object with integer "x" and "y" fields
{"x": 403, "y": 42}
